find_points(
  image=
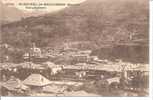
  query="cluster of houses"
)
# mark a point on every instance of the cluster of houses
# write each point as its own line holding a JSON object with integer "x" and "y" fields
{"x": 34, "y": 84}
{"x": 50, "y": 76}
{"x": 22, "y": 79}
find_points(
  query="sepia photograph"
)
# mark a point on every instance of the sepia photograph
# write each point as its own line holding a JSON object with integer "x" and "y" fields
{"x": 74, "y": 48}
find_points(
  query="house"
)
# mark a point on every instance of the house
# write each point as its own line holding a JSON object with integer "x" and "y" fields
{"x": 36, "y": 80}
{"x": 54, "y": 69}
{"x": 14, "y": 86}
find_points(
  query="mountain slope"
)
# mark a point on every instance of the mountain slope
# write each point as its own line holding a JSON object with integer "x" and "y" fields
{"x": 98, "y": 21}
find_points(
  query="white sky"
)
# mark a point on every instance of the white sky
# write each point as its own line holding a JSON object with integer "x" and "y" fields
{"x": 49, "y": 8}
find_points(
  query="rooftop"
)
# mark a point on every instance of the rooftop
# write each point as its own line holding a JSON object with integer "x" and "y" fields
{"x": 36, "y": 80}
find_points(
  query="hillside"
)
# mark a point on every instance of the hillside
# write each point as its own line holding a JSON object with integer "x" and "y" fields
{"x": 98, "y": 21}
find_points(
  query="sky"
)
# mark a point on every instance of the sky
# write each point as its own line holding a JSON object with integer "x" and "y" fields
{"x": 49, "y": 8}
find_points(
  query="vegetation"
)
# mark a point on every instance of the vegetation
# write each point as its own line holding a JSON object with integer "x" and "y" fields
{"x": 98, "y": 21}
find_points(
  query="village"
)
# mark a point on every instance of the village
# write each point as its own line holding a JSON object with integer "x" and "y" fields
{"x": 70, "y": 72}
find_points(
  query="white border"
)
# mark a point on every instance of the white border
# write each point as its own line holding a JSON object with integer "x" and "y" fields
{"x": 106, "y": 98}
{"x": 151, "y": 50}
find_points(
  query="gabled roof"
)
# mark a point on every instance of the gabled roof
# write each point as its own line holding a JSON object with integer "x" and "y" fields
{"x": 14, "y": 84}
{"x": 49, "y": 64}
{"x": 141, "y": 68}
{"x": 7, "y": 65}
{"x": 36, "y": 80}
{"x": 114, "y": 79}
{"x": 30, "y": 65}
